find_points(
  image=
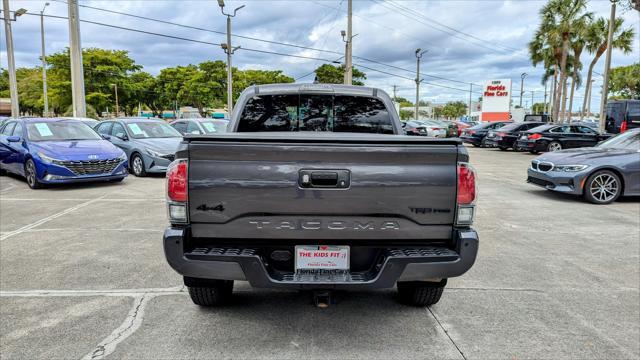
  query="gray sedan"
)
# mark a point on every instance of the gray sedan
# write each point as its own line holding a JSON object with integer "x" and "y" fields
{"x": 200, "y": 126}
{"x": 149, "y": 144}
{"x": 601, "y": 174}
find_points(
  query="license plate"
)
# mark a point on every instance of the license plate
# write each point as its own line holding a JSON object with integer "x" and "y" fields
{"x": 322, "y": 257}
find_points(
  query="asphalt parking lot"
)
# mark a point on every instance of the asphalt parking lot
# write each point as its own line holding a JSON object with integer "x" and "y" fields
{"x": 83, "y": 275}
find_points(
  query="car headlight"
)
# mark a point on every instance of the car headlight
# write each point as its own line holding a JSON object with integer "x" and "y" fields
{"x": 570, "y": 168}
{"x": 155, "y": 153}
{"x": 46, "y": 159}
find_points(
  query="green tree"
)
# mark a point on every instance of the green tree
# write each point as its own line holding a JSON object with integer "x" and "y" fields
{"x": 624, "y": 82}
{"x": 329, "y": 74}
{"x": 597, "y": 43}
{"x": 454, "y": 109}
{"x": 406, "y": 114}
{"x": 538, "y": 108}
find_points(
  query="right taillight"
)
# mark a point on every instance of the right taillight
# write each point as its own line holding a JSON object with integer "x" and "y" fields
{"x": 177, "y": 191}
{"x": 534, "y": 136}
{"x": 623, "y": 127}
{"x": 466, "y": 194}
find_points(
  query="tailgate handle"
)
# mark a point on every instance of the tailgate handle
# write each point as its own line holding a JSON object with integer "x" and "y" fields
{"x": 324, "y": 179}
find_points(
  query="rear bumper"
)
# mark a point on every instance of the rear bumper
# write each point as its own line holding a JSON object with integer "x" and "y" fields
{"x": 397, "y": 264}
{"x": 471, "y": 140}
{"x": 527, "y": 145}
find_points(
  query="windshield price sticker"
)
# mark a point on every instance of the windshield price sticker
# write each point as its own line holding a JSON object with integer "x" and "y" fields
{"x": 322, "y": 257}
{"x": 43, "y": 129}
{"x": 136, "y": 129}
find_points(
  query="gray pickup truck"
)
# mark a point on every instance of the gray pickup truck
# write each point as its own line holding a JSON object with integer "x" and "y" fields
{"x": 314, "y": 188}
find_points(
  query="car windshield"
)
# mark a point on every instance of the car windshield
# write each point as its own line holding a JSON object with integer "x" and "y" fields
{"x": 60, "y": 131}
{"x": 214, "y": 127}
{"x": 629, "y": 141}
{"x": 151, "y": 129}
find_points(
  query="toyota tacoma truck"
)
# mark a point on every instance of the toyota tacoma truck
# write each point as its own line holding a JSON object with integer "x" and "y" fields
{"x": 314, "y": 187}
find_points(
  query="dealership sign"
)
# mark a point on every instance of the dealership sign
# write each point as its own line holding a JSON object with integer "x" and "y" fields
{"x": 496, "y": 100}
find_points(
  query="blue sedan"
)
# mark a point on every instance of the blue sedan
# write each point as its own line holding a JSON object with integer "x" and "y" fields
{"x": 47, "y": 151}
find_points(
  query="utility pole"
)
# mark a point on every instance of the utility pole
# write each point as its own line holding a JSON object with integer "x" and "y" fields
{"x": 470, "y": 92}
{"x": 532, "y": 101}
{"x": 117, "y": 105}
{"x": 419, "y": 53}
{"x": 395, "y": 89}
{"x": 75, "y": 53}
{"x": 522, "y": 76}
{"x": 607, "y": 66}
{"x": 13, "y": 83}
{"x": 229, "y": 50}
{"x": 348, "y": 68}
{"x": 44, "y": 64}
{"x": 589, "y": 96}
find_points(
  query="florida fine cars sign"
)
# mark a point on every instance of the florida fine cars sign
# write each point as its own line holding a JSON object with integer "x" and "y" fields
{"x": 496, "y": 100}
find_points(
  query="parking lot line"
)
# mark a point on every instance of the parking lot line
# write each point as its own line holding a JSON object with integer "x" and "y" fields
{"x": 48, "y": 218}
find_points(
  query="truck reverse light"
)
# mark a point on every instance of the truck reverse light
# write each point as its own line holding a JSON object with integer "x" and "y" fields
{"x": 466, "y": 194}
{"x": 177, "y": 181}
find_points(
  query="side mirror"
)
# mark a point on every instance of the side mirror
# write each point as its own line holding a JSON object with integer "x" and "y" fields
{"x": 13, "y": 138}
{"x": 105, "y": 136}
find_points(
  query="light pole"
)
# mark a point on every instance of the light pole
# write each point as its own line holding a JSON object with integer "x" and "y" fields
{"x": 13, "y": 83}
{"x": 589, "y": 96}
{"x": 522, "y": 76}
{"x": 419, "y": 53}
{"x": 348, "y": 67}
{"x": 607, "y": 66}
{"x": 75, "y": 55}
{"x": 117, "y": 105}
{"x": 44, "y": 64}
{"x": 229, "y": 50}
{"x": 470, "y": 91}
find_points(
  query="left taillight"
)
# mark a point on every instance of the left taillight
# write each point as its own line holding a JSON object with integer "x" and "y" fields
{"x": 466, "y": 194}
{"x": 623, "y": 127}
{"x": 177, "y": 191}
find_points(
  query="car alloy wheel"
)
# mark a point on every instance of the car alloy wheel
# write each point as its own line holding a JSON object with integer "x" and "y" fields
{"x": 138, "y": 166}
{"x": 604, "y": 188}
{"x": 554, "y": 146}
{"x": 31, "y": 175}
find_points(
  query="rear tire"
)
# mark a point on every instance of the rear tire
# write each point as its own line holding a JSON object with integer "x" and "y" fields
{"x": 215, "y": 293}
{"x": 554, "y": 146}
{"x": 503, "y": 148}
{"x": 420, "y": 293}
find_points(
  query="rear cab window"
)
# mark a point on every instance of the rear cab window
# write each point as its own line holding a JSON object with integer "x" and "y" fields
{"x": 308, "y": 112}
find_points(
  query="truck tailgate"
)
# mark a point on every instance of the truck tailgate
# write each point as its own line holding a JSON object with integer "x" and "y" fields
{"x": 252, "y": 186}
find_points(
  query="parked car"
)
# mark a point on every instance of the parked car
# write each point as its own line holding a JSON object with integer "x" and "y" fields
{"x": 91, "y": 122}
{"x": 460, "y": 126}
{"x": 476, "y": 135}
{"x": 622, "y": 115}
{"x": 200, "y": 126}
{"x": 415, "y": 128}
{"x": 505, "y": 137}
{"x": 601, "y": 174}
{"x": 49, "y": 150}
{"x": 341, "y": 207}
{"x": 436, "y": 128}
{"x": 557, "y": 137}
{"x": 150, "y": 144}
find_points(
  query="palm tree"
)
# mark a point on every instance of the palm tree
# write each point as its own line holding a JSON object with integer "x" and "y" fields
{"x": 596, "y": 43}
{"x": 561, "y": 20}
{"x": 541, "y": 51}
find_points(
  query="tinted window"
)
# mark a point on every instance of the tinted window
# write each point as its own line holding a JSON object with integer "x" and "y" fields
{"x": 180, "y": 126}
{"x": 561, "y": 130}
{"x": 530, "y": 126}
{"x": 17, "y": 131}
{"x": 8, "y": 129}
{"x": 615, "y": 112}
{"x": 118, "y": 130}
{"x": 361, "y": 114}
{"x": 270, "y": 113}
{"x": 316, "y": 113}
{"x": 584, "y": 130}
{"x": 60, "y": 131}
{"x": 104, "y": 128}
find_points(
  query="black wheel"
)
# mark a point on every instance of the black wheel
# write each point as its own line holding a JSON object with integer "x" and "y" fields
{"x": 475, "y": 145}
{"x": 3, "y": 172}
{"x": 215, "y": 293}
{"x": 483, "y": 143}
{"x": 602, "y": 187}
{"x": 534, "y": 152}
{"x": 420, "y": 293}
{"x": 503, "y": 148}
{"x": 31, "y": 175}
{"x": 137, "y": 166}
{"x": 554, "y": 146}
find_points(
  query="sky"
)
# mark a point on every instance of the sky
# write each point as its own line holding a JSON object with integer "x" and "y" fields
{"x": 468, "y": 41}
